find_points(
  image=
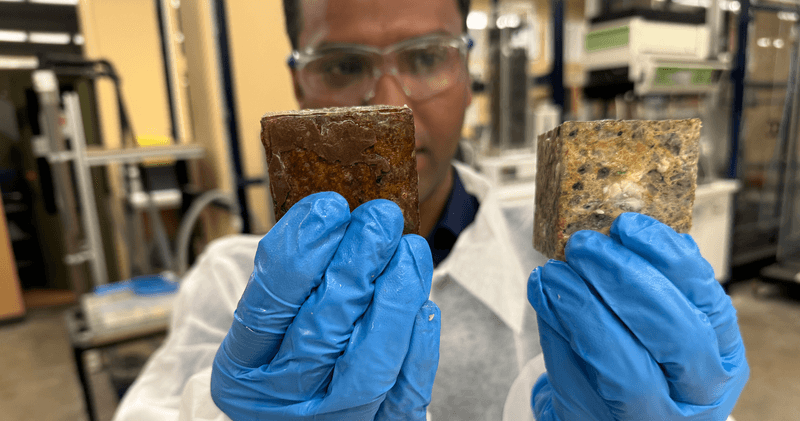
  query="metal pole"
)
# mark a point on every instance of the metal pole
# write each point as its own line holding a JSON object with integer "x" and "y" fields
{"x": 737, "y": 77}
{"x": 171, "y": 78}
{"x": 91, "y": 223}
{"x": 224, "y": 58}
{"x": 557, "y": 76}
{"x": 714, "y": 23}
{"x": 789, "y": 231}
{"x": 504, "y": 88}
{"x": 495, "y": 75}
{"x": 45, "y": 84}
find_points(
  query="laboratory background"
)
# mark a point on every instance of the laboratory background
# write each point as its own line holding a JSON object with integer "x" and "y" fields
{"x": 130, "y": 140}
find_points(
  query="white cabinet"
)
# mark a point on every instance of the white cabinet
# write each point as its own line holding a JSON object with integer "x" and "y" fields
{"x": 711, "y": 223}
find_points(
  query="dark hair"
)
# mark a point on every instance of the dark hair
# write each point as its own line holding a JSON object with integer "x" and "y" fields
{"x": 292, "y": 13}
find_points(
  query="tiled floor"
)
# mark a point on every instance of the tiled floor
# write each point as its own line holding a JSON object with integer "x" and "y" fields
{"x": 37, "y": 376}
{"x": 38, "y": 380}
{"x": 769, "y": 319}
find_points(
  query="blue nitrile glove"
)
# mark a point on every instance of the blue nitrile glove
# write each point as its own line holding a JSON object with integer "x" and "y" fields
{"x": 635, "y": 327}
{"x": 334, "y": 322}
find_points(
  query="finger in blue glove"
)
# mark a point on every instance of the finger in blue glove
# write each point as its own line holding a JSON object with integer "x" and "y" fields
{"x": 320, "y": 332}
{"x": 409, "y": 398}
{"x": 678, "y": 258}
{"x": 674, "y": 332}
{"x": 331, "y": 336}
{"x": 380, "y": 341}
{"x": 289, "y": 264}
{"x": 669, "y": 314}
{"x": 596, "y": 368}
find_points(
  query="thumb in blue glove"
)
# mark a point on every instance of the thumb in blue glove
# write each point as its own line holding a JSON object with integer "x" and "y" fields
{"x": 332, "y": 323}
{"x": 634, "y": 326}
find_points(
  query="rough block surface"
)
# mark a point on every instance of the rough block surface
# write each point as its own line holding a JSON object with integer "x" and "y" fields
{"x": 588, "y": 173}
{"x": 362, "y": 153}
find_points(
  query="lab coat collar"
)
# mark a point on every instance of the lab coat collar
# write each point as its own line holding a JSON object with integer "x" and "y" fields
{"x": 483, "y": 259}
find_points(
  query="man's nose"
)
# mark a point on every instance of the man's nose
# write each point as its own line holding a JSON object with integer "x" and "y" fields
{"x": 388, "y": 91}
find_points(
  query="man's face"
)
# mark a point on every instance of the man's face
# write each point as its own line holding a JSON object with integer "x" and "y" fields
{"x": 380, "y": 23}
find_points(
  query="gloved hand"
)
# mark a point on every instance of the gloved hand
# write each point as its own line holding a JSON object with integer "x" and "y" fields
{"x": 334, "y": 323}
{"x": 635, "y": 327}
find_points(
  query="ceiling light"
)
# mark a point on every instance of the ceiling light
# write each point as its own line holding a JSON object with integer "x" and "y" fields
{"x": 763, "y": 42}
{"x": 693, "y": 3}
{"x": 13, "y": 36}
{"x": 15, "y": 62}
{"x": 61, "y": 38}
{"x": 477, "y": 20}
{"x": 777, "y": 43}
{"x": 61, "y": 2}
{"x": 508, "y": 21}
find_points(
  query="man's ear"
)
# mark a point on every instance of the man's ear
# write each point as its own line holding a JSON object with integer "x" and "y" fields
{"x": 298, "y": 90}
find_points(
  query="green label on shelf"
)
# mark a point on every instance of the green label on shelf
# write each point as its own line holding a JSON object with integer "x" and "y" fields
{"x": 672, "y": 76}
{"x": 607, "y": 38}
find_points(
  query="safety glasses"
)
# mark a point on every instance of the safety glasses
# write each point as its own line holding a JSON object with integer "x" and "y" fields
{"x": 346, "y": 74}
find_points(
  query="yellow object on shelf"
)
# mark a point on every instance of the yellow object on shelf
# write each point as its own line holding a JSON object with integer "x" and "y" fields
{"x": 154, "y": 140}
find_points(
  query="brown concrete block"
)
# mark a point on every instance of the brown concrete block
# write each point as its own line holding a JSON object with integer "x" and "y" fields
{"x": 362, "y": 153}
{"x": 588, "y": 173}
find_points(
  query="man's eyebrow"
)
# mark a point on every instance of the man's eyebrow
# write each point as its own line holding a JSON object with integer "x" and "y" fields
{"x": 337, "y": 44}
{"x": 440, "y": 31}
{"x": 330, "y": 45}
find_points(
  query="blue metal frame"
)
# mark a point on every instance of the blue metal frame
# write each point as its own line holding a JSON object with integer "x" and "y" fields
{"x": 557, "y": 74}
{"x": 165, "y": 37}
{"x": 737, "y": 78}
{"x": 230, "y": 115}
{"x": 555, "y": 79}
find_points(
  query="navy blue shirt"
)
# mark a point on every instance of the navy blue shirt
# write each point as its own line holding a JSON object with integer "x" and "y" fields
{"x": 458, "y": 213}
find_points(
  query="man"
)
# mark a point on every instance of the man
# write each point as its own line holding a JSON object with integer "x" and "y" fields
{"x": 318, "y": 332}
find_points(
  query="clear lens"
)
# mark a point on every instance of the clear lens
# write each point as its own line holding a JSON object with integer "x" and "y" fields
{"x": 339, "y": 70}
{"x": 347, "y": 76}
{"x": 425, "y": 72}
{"x": 425, "y": 61}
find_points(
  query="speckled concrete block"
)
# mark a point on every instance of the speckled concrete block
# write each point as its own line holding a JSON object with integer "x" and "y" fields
{"x": 588, "y": 173}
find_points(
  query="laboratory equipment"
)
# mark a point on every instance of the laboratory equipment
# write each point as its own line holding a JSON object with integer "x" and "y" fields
{"x": 504, "y": 149}
{"x": 712, "y": 229}
{"x": 763, "y": 151}
{"x": 60, "y": 154}
{"x": 652, "y": 50}
{"x": 149, "y": 174}
{"x": 116, "y": 314}
{"x": 144, "y": 300}
{"x": 786, "y": 164}
{"x": 71, "y": 155}
{"x": 670, "y": 60}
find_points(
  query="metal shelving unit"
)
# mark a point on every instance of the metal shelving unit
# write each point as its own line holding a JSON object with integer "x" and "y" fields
{"x": 73, "y": 160}
{"x": 764, "y": 204}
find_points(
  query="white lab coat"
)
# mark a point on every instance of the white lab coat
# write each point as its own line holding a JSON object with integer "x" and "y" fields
{"x": 489, "y": 354}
